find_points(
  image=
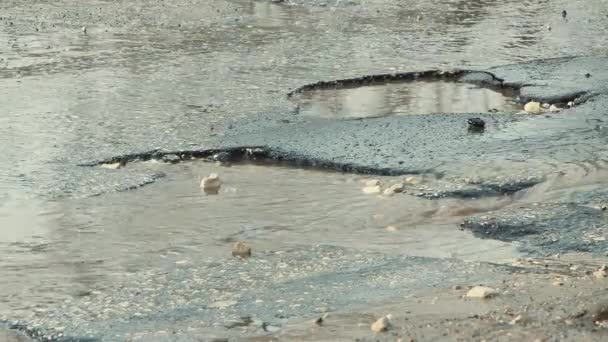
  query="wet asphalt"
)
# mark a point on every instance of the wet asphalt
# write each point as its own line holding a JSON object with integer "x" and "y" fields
{"x": 237, "y": 299}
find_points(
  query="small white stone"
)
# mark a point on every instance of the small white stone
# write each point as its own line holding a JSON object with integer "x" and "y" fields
{"x": 412, "y": 180}
{"x": 388, "y": 192}
{"x": 372, "y": 182}
{"x": 601, "y": 272}
{"x": 111, "y": 166}
{"x": 84, "y": 29}
{"x": 370, "y": 190}
{"x": 515, "y": 320}
{"x": 211, "y": 184}
{"x": 391, "y": 229}
{"x": 381, "y": 325}
{"x": 554, "y": 108}
{"x": 532, "y": 107}
{"x": 571, "y": 104}
{"x": 241, "y": 250}
{"x": 482, "y": 292}
{"x": 546, "y": 105}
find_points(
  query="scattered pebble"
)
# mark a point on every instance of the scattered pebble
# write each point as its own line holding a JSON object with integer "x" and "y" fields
{"x": 554, "y": 108}
{"x": 171, "y": 158}
{"x": 548, "y": 27}
{"x": 571, "y": 104}
{"x": 114, "y": 166}
{"x": 546, "y": 105}
{"x": 476, "y": 123}
{"x": 372, "y": 182}
{"x": 382, "y": 324}
{"x": 319, "y": 321}
{"x": 211, "y": 184}
{"x": 532, "y": 107}
{"x": 516, "y": 320}
{"x": 241, "y": 250}
{"x": 222, "y": 304}
{"x": 391, "y": 229}
{"x": 84, "y": 30}
{"x": 482, "y": 292}
{"x": 412, "y": 180}
{"x": 601, "y": 272}
{"x": 394, "y": 189}
{"x": 370, "y": 190}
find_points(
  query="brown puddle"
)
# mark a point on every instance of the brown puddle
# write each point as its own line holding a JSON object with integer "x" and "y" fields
{"x": 408, "y": 98}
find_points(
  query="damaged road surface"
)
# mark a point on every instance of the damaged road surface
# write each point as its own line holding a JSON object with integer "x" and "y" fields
{"x": 381, "y": 164}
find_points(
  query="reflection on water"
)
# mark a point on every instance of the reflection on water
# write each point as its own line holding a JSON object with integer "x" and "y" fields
{"x": 404, "y": 99}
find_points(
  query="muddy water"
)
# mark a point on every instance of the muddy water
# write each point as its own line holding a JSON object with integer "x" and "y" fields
{"x": 151, "y": 74}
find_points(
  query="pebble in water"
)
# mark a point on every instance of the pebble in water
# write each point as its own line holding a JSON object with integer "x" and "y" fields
{"x": 532, "y": 107}
{"x": 482, "y": 292}
{"x": 382, "y": 324}
{"x": 211, "y": 184}
{"x": 241, "y": 250}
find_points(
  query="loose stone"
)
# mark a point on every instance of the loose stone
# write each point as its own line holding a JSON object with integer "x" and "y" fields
{"x": 554, "y": 108}
{"x": 370, "y": 190}
{"x": 602, "y": 272}
{"x": 482, "y": 292}
{"x": 211, "y": 184}
{"x": 372, "y": 182}
{"x": 241, "y": 250}
{"x": 382, "y": 324}
{"x": 532, "y": 107}
{"x": 391, "y": 229}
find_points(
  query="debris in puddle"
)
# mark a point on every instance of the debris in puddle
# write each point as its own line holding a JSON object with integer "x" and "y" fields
{"x": 517, "y": 319}
{"x": 171, "y": 158}
{"x": 476, "y": 123}
{"x": 370, "y": 190}
{"x": 114, "y": 166}
{"x": 319, "y": 321}
{"x": 211, "y": 184}
{"x": 532, "y": 107}
{"x": 394, "y": 189}
{"x": 412, "y": 180}
{"x": 372, "y": 182}
{"x": 269, "y": 328}
{"x": 554, "y": 109}
{"x": 600, "y": 314}
{"x": 241, "y": 250}
{"x": 382, "y": 324}
{"x": 482, "y": 292}
{"x": 601, "y": 272}
{"x": 391, "y": 229}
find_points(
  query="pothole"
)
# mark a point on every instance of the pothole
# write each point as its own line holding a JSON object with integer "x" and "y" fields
{"x": 405, "y": 98}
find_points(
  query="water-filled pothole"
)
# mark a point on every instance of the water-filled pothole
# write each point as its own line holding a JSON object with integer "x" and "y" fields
{"x": 406, "y": 98}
